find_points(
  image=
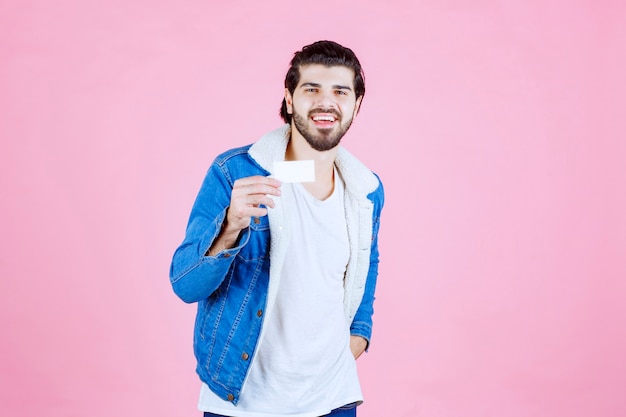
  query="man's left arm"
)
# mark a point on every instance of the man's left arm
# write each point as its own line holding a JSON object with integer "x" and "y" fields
{"x": 361, "y": 328}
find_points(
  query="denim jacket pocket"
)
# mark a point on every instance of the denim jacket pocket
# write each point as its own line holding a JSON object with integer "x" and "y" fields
{"x": 258, "y": 242}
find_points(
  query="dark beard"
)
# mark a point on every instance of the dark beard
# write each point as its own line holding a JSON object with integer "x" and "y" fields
{"x": 320, "y": 140}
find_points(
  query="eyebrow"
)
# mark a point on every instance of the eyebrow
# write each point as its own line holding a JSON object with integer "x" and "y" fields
{"x": 335, "y": 87}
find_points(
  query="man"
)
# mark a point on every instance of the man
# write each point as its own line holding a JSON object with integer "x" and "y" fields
{"x": 284, "y": 273}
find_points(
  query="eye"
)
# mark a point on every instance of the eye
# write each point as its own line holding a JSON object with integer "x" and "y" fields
{"x": 310, "y": 90}
{"x": 341, "y": 93}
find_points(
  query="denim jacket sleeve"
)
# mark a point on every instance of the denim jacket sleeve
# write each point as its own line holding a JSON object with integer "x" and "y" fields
{"x": 193, "y": 275}
{"x": 362, "y": 322}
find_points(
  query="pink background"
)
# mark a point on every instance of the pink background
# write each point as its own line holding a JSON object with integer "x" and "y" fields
{"x": 498, "y": 128}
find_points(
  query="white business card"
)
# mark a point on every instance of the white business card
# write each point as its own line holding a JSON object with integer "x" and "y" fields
{"x": 294, "y": 171}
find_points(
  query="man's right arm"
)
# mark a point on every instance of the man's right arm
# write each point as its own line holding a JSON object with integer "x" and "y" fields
{"x": 217, "y": 230}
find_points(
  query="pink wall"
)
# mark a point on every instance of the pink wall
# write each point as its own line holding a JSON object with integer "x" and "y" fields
{"x": 498, "y": 128}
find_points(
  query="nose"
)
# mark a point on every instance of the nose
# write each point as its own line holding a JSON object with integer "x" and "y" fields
{"x": 326, "y": 99}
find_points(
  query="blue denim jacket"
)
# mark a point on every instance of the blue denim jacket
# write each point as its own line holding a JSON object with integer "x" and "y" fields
{"x": 235, "y": 290}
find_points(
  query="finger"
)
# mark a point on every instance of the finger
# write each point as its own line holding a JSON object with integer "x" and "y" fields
{"x": 259, "y": 200}
{"x": 247, "y": 186}
{"x": 259, "y": 179}
{"x": 242, "y": 216}
{"x": 262, "y": 189}
{"x": 240, "y": 206}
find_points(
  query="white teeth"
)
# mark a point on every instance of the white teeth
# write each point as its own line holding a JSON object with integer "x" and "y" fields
{"x": 324, "y": 118}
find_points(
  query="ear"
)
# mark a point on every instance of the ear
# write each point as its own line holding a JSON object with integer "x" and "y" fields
{"x": 288, "y": 101}
{"x": 357, "y": 106}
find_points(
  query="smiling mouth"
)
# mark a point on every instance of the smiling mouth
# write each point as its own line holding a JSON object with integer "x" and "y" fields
{"x": 324, "y": 118}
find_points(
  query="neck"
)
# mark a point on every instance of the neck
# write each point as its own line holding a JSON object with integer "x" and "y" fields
{"x": 298, "y": 149}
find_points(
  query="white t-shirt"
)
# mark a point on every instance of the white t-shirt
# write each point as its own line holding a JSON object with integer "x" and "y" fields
{"x": 303, "y": 366}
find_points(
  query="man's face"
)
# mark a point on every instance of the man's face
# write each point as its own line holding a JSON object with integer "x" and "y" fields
{"x": 323, "y": 104}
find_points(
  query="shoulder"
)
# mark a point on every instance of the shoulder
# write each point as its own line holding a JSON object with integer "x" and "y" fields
{"x": 234, "y": 164}
{"x": 262, "y": 153}
{"x": 358, "y": 177}
{"x": 235, "y": 153}
{"x": 378, "y": 195}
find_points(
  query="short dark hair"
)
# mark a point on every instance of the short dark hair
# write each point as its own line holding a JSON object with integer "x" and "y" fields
{"x": 326, "y": 53}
